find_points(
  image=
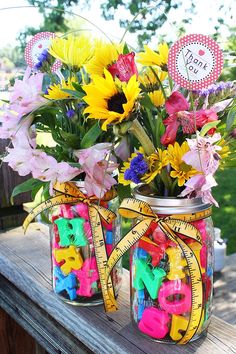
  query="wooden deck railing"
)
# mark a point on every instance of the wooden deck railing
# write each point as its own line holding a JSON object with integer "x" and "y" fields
{"x": 26, "y": 295}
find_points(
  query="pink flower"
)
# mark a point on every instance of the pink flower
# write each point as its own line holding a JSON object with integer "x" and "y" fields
{"x": 10, "y": 121}
{"x": 18, "y": 159}
{"x": 124, "y": 68}
{"x": 203, "y": 157}
{"x": 176, "y": 103}
{"x": 177, "y": 107}
{"x": 98, "y": 179}
{"x": 205, "y": 116}
{"x": 26, "y": 94}
{"x": 203, "y": 154}
{"x": 199, "y": 186}
{"x": 46, "y": 168}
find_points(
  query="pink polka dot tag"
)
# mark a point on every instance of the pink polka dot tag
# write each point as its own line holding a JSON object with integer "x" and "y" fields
{"x": 35, "y": 47}
{"x": 195, "y": 61}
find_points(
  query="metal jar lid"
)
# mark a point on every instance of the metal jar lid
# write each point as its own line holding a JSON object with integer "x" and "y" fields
{"x": 169, "y": 205}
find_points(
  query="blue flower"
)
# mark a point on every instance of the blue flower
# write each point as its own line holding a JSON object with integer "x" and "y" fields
{"x": 43, "y": 57}
{"x": 216, "y": 89}
{"x": 138, "y": 167}
{"x": 70, "y": 113}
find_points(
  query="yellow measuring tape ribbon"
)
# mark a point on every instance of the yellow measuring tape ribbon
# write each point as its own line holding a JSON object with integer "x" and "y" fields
{"x": 132, "y": 208}
{"x": 171, "y": 226}
{"x": 69, "y": 193}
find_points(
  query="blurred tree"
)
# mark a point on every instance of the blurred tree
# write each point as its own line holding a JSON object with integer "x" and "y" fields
{"x": 229, "y": 72}
{"x": 53, "y": 12}
{"x": 13, "y": 54}
{"x": 147, "y": 15}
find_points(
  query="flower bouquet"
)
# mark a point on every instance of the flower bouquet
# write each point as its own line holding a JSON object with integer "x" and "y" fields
{"x": 182, "y": 136}
{"x": 69, "y": 160}
{"x": 89, "y": 115}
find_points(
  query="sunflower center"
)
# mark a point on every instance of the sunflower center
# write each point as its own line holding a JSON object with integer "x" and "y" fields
{"x": 115, "y": 103}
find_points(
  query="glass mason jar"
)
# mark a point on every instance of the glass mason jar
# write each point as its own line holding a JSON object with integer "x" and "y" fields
{"x": 162, "y": 292}
{"x": 75, "y": 274}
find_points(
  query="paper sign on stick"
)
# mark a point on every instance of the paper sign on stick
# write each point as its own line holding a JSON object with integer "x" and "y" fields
{"x": 36, "y": 46}
{"x": 195, "y": 61}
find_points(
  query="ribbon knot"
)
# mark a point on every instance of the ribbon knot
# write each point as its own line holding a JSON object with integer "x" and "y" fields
{"x": 86, "y": 201}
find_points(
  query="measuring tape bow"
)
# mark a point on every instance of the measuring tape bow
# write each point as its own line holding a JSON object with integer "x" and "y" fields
{"x": 69, "y": 193}
{"x": 171, "y": 226}
{"x": 132, "y": 208}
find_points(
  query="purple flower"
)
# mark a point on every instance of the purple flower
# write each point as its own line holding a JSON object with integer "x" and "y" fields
{"x": 138, "y": 167}
{"x": 43, "y": 57}
{"x": 70, "y": 113}
{"x": 216, "y": 89}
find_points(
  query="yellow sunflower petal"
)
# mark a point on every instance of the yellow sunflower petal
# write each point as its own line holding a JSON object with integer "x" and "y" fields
{"x": 157, "y": 98}
{"x": 109, "y": 99}
{"x": 105, "y": 55}
{"x": 72, "y": 51}
{"x": 149, "y": 57}
{"x": 55, "y": 91}
{"x": 181, "y": 170}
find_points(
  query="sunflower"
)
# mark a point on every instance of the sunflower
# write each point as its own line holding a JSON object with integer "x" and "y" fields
{"x": 105, "y": 55}
{"x": 181, "y": 170}
{"x": 109, "y": 101}
{"x": 72, "y": 51}
{"x": 55, "y": 91}
{"x": 156, "y": 162}
{"x": 149, "y": 57}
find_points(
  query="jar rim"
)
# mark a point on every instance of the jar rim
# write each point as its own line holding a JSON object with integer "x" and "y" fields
{"x": 169, "y": 205}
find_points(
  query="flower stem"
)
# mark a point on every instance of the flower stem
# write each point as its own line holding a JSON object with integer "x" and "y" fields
{"x": 166, "y": 180}
{"x": 138, "y": 131}
{"x": 159, "y": 82}
{"x": 174, "y": 184}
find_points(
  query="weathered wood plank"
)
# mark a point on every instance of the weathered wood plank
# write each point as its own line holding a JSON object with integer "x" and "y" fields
{"x": 13, "y": 338}
{"x": 25, "y": 269}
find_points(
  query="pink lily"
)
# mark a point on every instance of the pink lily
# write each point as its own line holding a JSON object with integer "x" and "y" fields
{"x": 26, "y": 94}
{"x": 203, "y": 154}
{"x": 177, "y": 107}
{"x": 199, "y": 186}
{"x": 124, "y": 68}
{"x": 98, "y": 170}
{"x": 46, "y": 168}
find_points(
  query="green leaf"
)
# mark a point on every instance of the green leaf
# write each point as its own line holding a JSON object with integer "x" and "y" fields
{"x": 146, "y": 102}
{"x": 75, "y": 164}
{"x": 75, "y": 94}
{"x": 208, "y": 126}
{"x": 91, "y": 136}
{"x": 71, "y": 140}
{"x": 231, "y": 119}
{"x": 160, "y": 129}
{"x": 78, "y": 87}
{"x": 123, "y": 191}
{"x": 126, "y": 49}
{"x": 26, "y": 186}
{"x": 229, "y": 164}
